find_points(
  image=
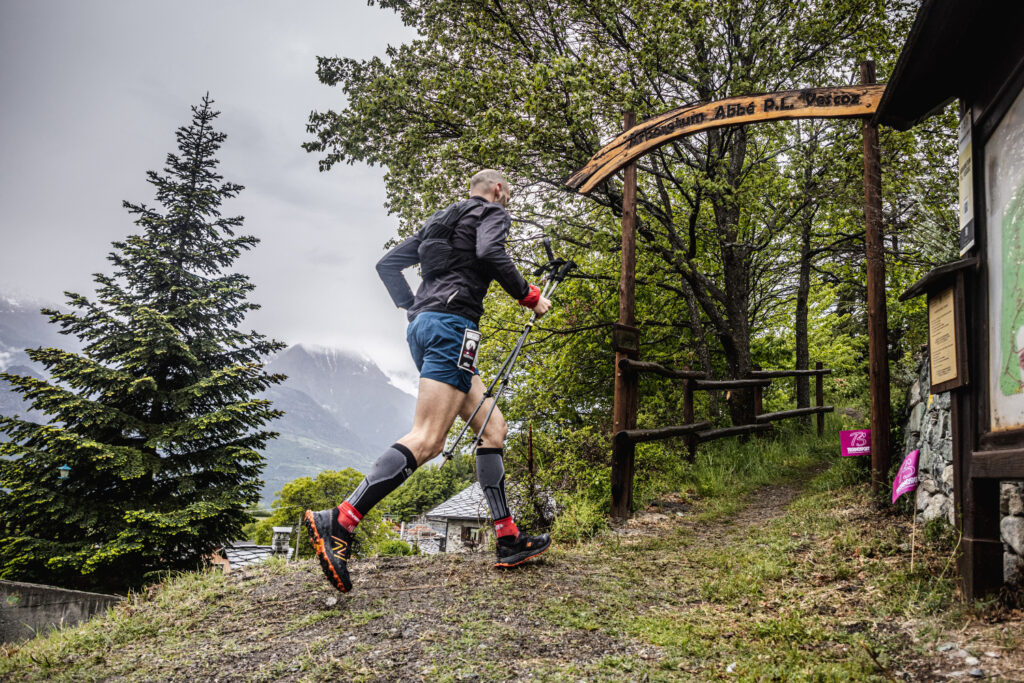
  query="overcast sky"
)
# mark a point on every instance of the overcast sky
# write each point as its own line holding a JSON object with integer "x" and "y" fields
{"x": 92, "y": 92}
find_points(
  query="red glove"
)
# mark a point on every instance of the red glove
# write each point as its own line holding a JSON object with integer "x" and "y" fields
{"x": 531, "y": 299}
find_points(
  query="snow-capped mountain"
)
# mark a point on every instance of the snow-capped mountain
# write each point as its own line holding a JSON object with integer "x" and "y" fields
{"x": 340, "y": 409}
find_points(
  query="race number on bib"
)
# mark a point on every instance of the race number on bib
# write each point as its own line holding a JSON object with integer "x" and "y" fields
{"x": 470, "y": 345}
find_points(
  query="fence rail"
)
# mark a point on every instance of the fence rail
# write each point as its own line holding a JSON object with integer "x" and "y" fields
{"x": 640, "y": 435}
{"x": 694, "y": 380}
{"x": 629, "y": 365}
{"x": 736, "y": 430}
{"x": 819, "y": 385}
{"x": 790, "y": 373}
{"x": 694, "y": 432}
{"x": 798, "y": 412}
{"x": 716, "y": 384}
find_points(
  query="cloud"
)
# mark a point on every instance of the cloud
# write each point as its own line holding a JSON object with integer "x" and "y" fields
{"x": 92, "y": 97}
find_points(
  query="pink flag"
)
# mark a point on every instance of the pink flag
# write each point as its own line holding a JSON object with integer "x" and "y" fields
{"x": 855, "y": 442}
{"x": 906, "y": 478}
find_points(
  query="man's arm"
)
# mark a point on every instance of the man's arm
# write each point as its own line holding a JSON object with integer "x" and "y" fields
{"x": 390, "y": 268}
{"x": 490, "y": 248}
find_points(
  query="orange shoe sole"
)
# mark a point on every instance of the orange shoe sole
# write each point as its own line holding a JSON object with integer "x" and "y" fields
{"x": 506, "y": 565}
{"x": 321, "y": 552}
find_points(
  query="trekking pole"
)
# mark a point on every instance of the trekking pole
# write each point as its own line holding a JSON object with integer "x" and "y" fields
{"x": 558, "y": 270}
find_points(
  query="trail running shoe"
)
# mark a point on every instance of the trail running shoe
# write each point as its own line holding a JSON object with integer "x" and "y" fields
{"x": 333, "y": 545}
{"x": 514, "y": 553}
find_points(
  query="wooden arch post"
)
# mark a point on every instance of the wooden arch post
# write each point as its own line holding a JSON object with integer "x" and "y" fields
{"x": 626, "y": 339}
{"x": 878, "y": 326}
{"x": 860, "y": 101}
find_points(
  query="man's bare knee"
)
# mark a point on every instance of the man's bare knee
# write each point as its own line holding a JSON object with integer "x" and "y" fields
{"x": 495, "y": 433}
{"x": 423, "y": 448}
{"x": 501, "y": 430}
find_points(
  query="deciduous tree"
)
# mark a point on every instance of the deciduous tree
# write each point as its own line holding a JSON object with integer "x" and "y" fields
{"x": 534, "y": 88}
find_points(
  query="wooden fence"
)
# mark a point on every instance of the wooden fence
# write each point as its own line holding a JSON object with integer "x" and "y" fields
{"x": 696, "y": 433}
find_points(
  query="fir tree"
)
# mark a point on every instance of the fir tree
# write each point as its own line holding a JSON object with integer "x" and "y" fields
{"x": 157, "y": 417}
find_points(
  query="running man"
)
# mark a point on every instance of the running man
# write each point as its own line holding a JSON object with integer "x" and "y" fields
{"x": 448, "y": 302}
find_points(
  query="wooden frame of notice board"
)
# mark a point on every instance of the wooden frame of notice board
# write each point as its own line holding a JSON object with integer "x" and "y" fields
{"x": 947, "y": 327}
{"x": 970, "y": 51}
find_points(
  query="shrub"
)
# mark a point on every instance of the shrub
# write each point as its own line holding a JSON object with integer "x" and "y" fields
{"x": 580, "y": 518}
{"x": 396, "y": 547}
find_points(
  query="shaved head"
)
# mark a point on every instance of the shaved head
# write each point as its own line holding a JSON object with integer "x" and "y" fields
{"x": 483, "y": 181}
{"x": 491, "y": 185}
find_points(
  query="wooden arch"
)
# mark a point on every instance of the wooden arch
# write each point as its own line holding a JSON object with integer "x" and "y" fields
{"x": 855, "y": 101}
{"x": 845, "y": 102}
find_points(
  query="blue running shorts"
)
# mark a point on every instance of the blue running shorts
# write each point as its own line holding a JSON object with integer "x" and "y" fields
{"x": 435, "y": 340}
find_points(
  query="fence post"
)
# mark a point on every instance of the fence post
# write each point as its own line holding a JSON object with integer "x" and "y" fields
{"x": 758, "y": 396}
{"x": 758, "y": 403}
{"x": 819, "y": 390}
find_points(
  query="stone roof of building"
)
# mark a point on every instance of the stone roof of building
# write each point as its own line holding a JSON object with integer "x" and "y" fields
{"x": 470, "y": 504}
{"x": 467, "y": 504}
{"x": 244, "y": 553}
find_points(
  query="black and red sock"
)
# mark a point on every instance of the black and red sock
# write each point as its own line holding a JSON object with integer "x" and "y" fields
{"x": 490, "y": 472}
{"x": 387, "y": 474}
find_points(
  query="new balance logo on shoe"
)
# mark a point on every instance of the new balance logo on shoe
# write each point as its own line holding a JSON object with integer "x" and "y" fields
{"x": 333, "y": 545}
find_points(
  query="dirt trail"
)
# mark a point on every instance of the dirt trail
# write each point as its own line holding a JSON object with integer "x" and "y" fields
{"x": 664, "y": 597}
{"x": 416, "y": 618}
{"x": 407, "y": 615}
{"x": 762, "y": 506}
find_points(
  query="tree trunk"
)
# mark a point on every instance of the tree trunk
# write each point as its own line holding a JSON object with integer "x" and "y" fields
{"x": 803, "y": 291}
{"x": 703, "y": 352}
{"x": 736, "y": 257}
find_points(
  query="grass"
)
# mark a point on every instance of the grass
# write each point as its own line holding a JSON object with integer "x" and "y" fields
{"x": 802, "y": 597}
{"x": 725, "y": 473}
{"x": 727, "y": 579}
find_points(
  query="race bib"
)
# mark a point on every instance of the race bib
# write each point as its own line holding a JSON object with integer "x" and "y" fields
{"x": 470, "y": 345}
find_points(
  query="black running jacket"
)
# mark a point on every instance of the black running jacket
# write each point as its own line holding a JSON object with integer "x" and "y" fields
{"x": 478, "y": 242}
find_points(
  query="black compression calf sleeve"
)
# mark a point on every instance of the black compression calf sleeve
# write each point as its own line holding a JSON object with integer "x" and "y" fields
{"x": 386, "y": 475}
{"x": 490, "y": 472}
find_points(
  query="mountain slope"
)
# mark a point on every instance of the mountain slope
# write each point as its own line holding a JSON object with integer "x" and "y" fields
{"x": 311, "y": 440}
{"x": 340, "y": 409}
{"x": 12, "y": 404}
{"x": 23, "y": 327}
{"x": 352, "y": 389}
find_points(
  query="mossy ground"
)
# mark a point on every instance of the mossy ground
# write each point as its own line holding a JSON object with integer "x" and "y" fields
{"x": 800, "y": 579}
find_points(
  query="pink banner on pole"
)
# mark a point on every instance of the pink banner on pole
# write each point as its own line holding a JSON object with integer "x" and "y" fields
{"x": 855, "y": 442}
{"x": 906, "y": 478}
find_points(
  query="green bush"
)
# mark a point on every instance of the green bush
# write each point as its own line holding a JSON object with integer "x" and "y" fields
{"x": 843, "y": 473}
{"x": 395, "y": 547}
{"x": 579, "y": 519}
{"x": 325, "y": 491}
{"x": 940, "y": 534}
{"x": 429, "y": 487}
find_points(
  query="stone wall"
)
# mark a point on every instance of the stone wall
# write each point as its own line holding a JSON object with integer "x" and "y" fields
{"x": 454, "y": 542}
{"x": 929, "y": 430}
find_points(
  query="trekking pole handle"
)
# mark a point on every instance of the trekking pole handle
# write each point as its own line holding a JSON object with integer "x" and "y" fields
{"x": 547, "y": 248}
{"x": 564, "y": 271}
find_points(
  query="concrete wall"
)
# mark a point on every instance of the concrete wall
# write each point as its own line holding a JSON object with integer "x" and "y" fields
{"x": 28, "y": 608}
{"x": 928, "y": 429}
